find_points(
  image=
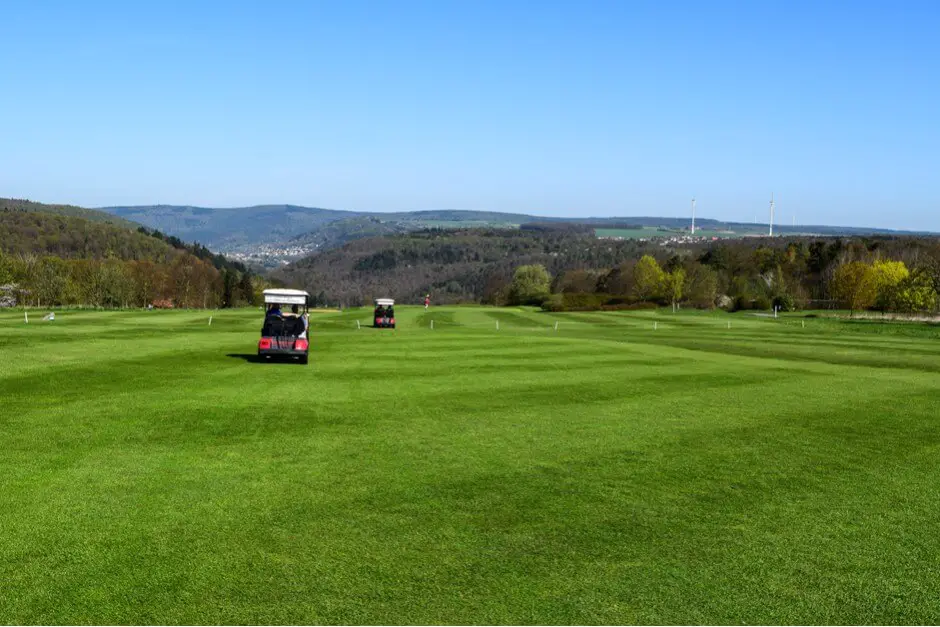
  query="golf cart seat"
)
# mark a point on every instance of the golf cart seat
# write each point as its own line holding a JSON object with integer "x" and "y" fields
{"x": 282, "y": 326}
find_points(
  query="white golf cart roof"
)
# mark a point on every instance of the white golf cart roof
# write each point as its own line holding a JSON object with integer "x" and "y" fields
{"x": 384, "y": 302}
{"x": 286, "y": 297}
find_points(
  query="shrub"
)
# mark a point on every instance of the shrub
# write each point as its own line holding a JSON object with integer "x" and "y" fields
{"x": 762, "y": 303}
{"x": 553, "y": 303}
{"x": 530, "y": 285}
{"x": 784, "y": 302}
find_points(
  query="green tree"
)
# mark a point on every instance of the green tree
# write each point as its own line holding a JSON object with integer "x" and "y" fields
{"x": 575, "y": 281}
{"x": 888, "y": 277}
{"x": 50, "y": 281}
{"x": 855, "y": 284}
{"x": 916, "y": 293}
{"x": 701, "y": 286}
{"x": 648, "y": 279}
{"x": 530, "y": 285}
{"x": 618, "y": 281}
{"x": 147, "y": 280}
{"x": 674, "y": 286}
{"x": 229, "y": 286}
{"x": 116, "y": 283}
{"x": 6, "y": 270}
{"x": 246, "y": 292}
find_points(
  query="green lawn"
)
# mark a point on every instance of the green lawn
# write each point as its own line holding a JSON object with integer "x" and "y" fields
{"x": 152, "y": 472}
{"x": 632, "y": 233}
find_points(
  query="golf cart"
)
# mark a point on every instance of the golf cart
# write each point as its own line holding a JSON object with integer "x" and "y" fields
{"x": 284, "y": 333}
{"x": 384, "y": 316}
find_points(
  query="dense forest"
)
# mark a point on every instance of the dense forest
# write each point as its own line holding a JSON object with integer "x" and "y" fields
{"x": 31, "y": 232}
{"x": 56, "y": 258}
{"x": 94, "y": 215}
{"x": 583, "y": 272}
{"x": 468, "y": 265}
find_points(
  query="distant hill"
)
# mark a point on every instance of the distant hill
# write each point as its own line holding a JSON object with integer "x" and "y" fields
{"x": 335, "y": 234}
{"x": 287, "y": 232}
{"x": 454, "y": 265}
{"x": 244, "y": 228}
{"x": 95, "y": 215}
{"x": 232, "y": 229}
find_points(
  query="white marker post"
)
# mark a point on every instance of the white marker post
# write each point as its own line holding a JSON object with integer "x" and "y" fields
{"x": 358, "y": 326}
{"x": 729, "y": 324}
{"x": 432, "y": 325}
{"x": 556, "y": 325}
{"x": 497, "y": 325}
{"x": 803, "y": 323}
{"x": 26, "y": 316}
{"x": 210, "y": 321}
{"x": 654, "y": 325}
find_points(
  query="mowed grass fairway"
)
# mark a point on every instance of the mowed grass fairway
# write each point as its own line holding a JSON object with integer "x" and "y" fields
{"x": 151, "y": 472}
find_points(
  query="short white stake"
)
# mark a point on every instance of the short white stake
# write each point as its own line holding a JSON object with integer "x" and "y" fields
{"x": 210, "y": 321}
{"x": 358, "y": 326}
{"x": 26, "y": 316}
{"x": 556, "y": 325}
{"x": 497, "y": 325}
{"x": 803, "y": 323}
{"x": 729, "y": 324}
{"x": 432, "y": 325}
{"x": 654, "y": 325}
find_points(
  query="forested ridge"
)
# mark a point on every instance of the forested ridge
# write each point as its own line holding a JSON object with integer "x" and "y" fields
{"x": 56, "y": 258}
{"x": 465, "y": 265}
{"x": 93, "y": 215}
{"x": 70, "y": 237}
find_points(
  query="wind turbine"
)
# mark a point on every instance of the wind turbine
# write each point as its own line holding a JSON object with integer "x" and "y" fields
{"x": 771, "y": 214}
{"x": 693, "y": 216}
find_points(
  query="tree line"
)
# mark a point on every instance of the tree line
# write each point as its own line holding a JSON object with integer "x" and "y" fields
{"x": 49, "y": 259}
{"x": 481, "y": 265}
{"x": 185, "y": 281}
{"x": 785, "y": 276}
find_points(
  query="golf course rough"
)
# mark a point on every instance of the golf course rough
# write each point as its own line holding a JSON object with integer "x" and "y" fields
{"x": 153, "y": 471}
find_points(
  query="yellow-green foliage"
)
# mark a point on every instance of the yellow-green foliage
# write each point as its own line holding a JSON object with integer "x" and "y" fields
{"x": 649, "y": 279}
{"x": 915, "y": 293}
{"x": 856, "y": 285}
{"x": 888, "y": 276}
{"x": 674, "y": 285}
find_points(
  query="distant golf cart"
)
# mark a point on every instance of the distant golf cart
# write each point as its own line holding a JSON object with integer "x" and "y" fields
{"x": 384, "y": 316}
{"x": 284, "y": 333}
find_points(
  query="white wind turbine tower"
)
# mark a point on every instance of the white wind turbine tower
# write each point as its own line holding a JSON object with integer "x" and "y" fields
{"x": 693, "y": 216}
{"x": 771, "y": 214}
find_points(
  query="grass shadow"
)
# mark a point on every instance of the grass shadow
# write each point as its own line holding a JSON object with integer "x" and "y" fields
{"x": 253, "y": 358}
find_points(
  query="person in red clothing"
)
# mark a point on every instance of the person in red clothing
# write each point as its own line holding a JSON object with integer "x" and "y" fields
{"x": 427, "y": 301}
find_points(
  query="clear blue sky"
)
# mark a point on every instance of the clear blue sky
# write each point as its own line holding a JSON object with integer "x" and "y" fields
{"x": 557, "y": 108}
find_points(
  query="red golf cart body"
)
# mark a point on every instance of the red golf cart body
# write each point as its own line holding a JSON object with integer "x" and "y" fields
{"x": 384, "y": 315}
{"x": 285, "y": 334}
